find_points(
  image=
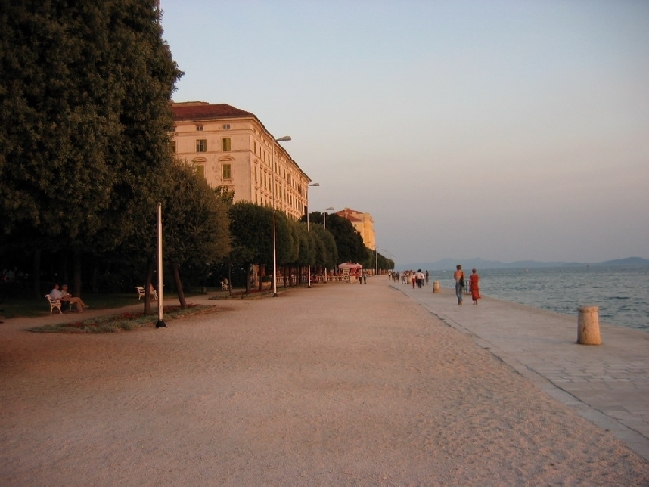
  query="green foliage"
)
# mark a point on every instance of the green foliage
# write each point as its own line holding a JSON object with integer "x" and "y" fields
{"x": 375, "y": 260}
{"x": 306, "y": 245}
{"x": 195, "y": 219}
{"x": 84, "y": 114}
{"x": 326, "y": 252}
{"x": 286, "y": 241}
{"x": 349, "y": 242}
{"x": 251, "y": 230}
{"x": 225, "y": 194}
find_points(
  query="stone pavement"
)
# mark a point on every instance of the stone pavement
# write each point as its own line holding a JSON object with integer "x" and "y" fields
{"x": 606, "y": 384}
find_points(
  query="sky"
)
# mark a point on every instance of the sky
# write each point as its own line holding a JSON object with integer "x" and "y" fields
{"x": 499, "y": 130}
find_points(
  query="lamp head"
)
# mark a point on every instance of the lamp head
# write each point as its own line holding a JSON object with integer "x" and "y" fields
{"x": 286, "y": 138}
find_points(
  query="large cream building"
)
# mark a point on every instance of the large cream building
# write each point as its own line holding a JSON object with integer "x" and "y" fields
{"x": 363, "y": 223}
{"x": 232, "y": 148}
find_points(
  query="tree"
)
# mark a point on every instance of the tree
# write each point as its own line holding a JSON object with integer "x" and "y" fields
{"x": 195, "y": 229}
{"x": 349, "y": 242}
{"x": 326, "y": 254}
{"x": 84, "y": 118}
{"x": 251, "y": 230}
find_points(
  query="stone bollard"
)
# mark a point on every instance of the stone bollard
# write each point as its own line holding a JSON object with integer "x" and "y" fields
{"x": 435, "y": 286}
{"x": 588, "y": 326}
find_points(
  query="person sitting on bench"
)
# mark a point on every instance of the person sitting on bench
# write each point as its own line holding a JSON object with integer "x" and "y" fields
{"x": 68, "y": 298}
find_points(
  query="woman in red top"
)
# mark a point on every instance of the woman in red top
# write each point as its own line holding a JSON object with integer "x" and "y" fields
{"x": 475, "y": 287}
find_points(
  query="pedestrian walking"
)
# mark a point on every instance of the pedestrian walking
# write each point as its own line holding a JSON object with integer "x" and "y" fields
{"x": 459, "y": 283}
{"x": 474, "y": 285}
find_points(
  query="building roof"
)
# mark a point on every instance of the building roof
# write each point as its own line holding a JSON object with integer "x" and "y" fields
{"x": 350, "y": 215}
{"x": 201, "y": 110}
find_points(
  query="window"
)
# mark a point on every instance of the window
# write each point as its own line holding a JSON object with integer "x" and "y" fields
{"x": 227, "y": 144}
{"x": 199, "y": 128}
{"x": 201, "y": 145}
{"x": 172, "y": 146}
{"x": 226, "y": 126}
{"x": 200, "y": 171}
{"x": 227, "y": 171}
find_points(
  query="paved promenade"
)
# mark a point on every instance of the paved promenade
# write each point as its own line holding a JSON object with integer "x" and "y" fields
{"x": 341, "y": 384}
{"x": 607, "y": 384}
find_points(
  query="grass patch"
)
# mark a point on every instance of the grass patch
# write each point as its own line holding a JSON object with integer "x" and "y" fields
{"x": 120, "y": 322}
{"x": 33, "y": 308}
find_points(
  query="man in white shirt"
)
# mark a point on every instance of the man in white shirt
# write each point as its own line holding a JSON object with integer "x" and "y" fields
{"x": 420, "y": 278}
{"x": 56, "y": 292}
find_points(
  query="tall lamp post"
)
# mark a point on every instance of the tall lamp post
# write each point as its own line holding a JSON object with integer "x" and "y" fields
{"x": 324, "y": 216}
{"x": 376, "y": 261}
{"x": 160, "y": 323}
{"x": 286, "y": 138}
{"x": 324, "y": 225}
{"x": 307, "y": 230}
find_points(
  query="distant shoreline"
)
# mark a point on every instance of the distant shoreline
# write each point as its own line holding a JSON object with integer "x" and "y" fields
{"x": 446, "y": 264}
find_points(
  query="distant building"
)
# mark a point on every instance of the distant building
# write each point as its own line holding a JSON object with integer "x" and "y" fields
{"x": 230, "y": 147}
{"x": 363, "y": 223}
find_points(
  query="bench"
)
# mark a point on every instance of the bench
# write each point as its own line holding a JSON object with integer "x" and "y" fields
{"x": 142, "y": 293}
{"x": 54, "y": 303}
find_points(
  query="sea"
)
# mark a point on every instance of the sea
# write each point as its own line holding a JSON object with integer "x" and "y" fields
{"x": 621, "y": 293}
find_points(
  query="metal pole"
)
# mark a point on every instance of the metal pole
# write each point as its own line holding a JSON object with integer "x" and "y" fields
{"x": 308, "y": 269}
{"x": 274, "y": 223}
{"x": 286, "y": 138}
{"x": 324, "y": 225}
{"x": 160, "y": 323}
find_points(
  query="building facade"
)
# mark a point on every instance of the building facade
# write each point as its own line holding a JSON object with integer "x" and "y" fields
{"x": 363, "y": 223}
{"x": 231, "y": 148}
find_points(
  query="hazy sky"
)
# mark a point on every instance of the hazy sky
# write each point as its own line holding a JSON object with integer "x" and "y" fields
{"x": 501, "y": 130}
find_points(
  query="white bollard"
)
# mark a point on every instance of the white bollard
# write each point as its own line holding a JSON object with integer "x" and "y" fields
{"x": 435, "y": 286}
{"x": 588, "y": 326}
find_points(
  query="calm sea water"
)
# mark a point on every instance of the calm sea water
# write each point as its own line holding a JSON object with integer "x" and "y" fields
{"x": 622, "y": 293}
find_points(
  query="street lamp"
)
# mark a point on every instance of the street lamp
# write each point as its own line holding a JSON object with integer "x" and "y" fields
{"x": 307, "y": 230}
{"x": 385, "y": 251}
{"x": 376, "y": 261}
{"x": 286, "y": 138}
{"x": 324, "y": 224}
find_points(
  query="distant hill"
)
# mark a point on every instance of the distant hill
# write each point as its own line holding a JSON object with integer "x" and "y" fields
{"x": 449, "y": 264}
{"x": 630, "y": 261}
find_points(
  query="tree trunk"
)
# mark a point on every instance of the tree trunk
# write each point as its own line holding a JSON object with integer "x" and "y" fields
{"x": 95, "y": 278}
{"x": 64, "y": 278}
{"x": 230, "y": 278}
{"x": 36, "y": 271}
{"x": 179, "y": 285}
{"x": 248, "y": 278}
{"x": 147, "y": 286}
{"x": 76, "y": 273}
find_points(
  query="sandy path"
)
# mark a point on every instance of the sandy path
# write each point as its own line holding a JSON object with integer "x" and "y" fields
{"x": 337, "y": 385}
